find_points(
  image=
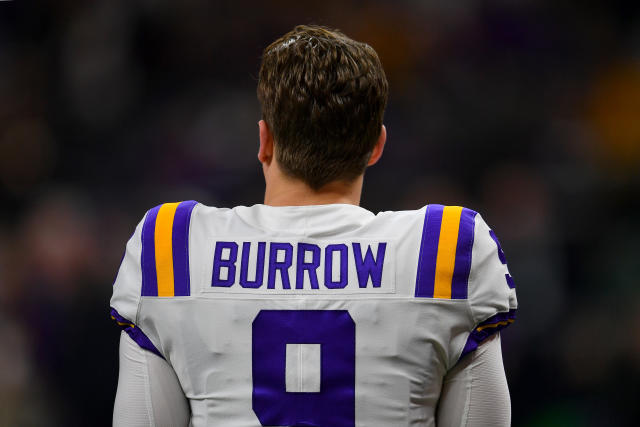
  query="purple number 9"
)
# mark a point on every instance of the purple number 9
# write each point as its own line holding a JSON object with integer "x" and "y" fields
{"x": 334, "y": 403}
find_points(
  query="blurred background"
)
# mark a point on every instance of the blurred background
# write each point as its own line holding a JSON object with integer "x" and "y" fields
{"x": 527, "y": 111}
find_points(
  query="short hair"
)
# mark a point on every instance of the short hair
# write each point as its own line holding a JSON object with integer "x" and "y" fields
{"x": 323, "y": 97}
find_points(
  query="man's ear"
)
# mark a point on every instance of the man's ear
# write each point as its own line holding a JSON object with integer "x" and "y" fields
{"x": 376, "y": 153}
{"x": 265, "y": 153}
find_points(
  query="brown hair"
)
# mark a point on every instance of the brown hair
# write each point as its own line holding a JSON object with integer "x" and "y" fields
{"x": 323, "y": 97}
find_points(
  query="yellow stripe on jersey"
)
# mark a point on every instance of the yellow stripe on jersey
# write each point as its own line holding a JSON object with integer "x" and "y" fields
{"x": 493, "y": 325}
{"x": 446, "y": 258}
{"x": 164, "y": 249}
{"x": 123, "y": 323}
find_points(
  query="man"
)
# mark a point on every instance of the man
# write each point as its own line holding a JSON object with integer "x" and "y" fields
{"x": 309, "y": 310}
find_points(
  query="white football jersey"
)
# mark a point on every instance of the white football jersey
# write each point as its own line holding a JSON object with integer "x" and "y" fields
{"x": 322, "y": 315}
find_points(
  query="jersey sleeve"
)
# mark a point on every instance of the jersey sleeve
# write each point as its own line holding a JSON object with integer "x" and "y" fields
{"x": 149, "y": 392}
{"x": 492, "y": 295}
{"x": 127, "y": 290}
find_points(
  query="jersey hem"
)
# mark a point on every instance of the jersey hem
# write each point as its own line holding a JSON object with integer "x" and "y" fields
{"x": 134, "y": 332}
{"x": 487, "y": 328}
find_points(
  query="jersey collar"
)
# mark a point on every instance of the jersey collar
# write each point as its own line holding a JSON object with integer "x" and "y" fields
{"x": 309, "y": 220}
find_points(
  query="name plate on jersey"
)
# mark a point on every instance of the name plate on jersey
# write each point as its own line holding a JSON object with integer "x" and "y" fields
{"x": 310, "y": 267}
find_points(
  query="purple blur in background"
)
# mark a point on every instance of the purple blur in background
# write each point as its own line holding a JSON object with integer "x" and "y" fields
{"x": 527, "y": 112}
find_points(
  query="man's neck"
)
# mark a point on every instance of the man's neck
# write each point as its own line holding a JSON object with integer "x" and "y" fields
{"x": 285, "y": 191}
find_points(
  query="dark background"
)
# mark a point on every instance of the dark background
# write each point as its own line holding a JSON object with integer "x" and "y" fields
{"x": 527, "y": 111}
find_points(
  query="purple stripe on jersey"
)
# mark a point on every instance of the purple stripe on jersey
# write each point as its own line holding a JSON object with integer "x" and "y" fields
{"x": 429, "y": 251}
{"x": 134, "y": 332}
{"x": 464, "y": 248}
{"x": 510, "y": 281}
{"x": 180, "y": 243}
{"x": 503, "y": 258}
{"x": 497, "y": 322}
{"x": 148, "y": 257}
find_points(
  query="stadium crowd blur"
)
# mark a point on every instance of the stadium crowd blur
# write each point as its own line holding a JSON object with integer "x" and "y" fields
{"x": 528, "y": 112}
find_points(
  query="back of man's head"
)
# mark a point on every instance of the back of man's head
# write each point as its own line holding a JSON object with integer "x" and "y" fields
{"x": 323, "y": 97}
